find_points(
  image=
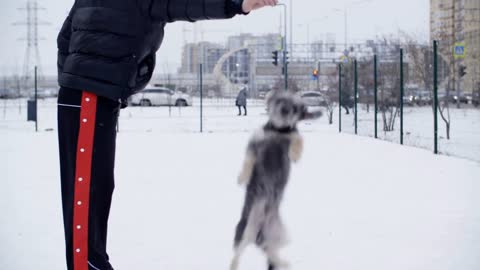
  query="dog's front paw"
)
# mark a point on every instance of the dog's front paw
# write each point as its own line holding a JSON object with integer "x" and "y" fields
{"x": 296, "y": 149}
{"x": 247, "y": 169}
{"x": 295, "y": 154}
{"x": 242, "y": 179}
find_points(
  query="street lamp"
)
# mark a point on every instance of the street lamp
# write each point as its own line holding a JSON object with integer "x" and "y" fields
{"x": 291, "y": 27}
{"x": 350, "y": 5}
{"x": 307, "y": 24}
{"x": 285, "y": 68}
{"x": 345, "y": 24}
{"x": 237, "y": 73}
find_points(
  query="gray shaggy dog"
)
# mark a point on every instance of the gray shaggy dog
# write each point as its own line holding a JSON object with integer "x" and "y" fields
{"x": 265, "y": 174}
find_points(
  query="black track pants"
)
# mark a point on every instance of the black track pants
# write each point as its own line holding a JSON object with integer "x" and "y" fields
{"x": 86, "y": 134}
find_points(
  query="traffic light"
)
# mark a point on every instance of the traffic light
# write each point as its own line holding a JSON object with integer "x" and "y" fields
{"x": 275, "y": 58}
{"x": 285, "y": 62}
{"x": 285, "y": 55}
{"x": 315, "y": 74}
{"x": 462, "y": 71}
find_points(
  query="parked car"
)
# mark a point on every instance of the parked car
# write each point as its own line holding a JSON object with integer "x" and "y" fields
{"x": 409, "y": 100}
{"x": 473, "y": 98}
{"x": 313, "y": 98}
{"x": 160, "y": 96}
{"x": 423, "y": 98}
{"x": 442, "y": 97}
{"x": 7, "y": 93}
{"x": 462, "y": 98}
{"x": 262, "y": 95}
{"x": 476, "y": 98}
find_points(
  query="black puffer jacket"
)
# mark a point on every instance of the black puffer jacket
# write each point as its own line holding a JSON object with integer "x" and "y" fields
{"x": 108, "y": 46}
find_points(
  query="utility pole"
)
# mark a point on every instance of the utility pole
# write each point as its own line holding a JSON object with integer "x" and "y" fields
{"x": 457, "y": 25}
{"x": 32, "y": 22}
{"x": 285, "y": 49}
{"x": 291, "y": 27}
{"x": 345, "y": 9}
{"x": 346, "y": 28}
{"x": 6, "y": 93}
{"x": 454, "y": 60}
{"x": 319, "y": 75}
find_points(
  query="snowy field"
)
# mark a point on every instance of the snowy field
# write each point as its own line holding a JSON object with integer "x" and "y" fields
{"x": 353, "y": 202}
{"x": 418, "y": 129}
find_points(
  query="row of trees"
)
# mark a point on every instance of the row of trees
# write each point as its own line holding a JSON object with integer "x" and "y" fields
{"x": 418, "y": 72}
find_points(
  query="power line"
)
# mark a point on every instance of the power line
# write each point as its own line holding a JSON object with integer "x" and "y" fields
{"x": 32, "y": 53}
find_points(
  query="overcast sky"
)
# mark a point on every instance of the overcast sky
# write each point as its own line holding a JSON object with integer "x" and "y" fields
{"x": 365, "y": 21}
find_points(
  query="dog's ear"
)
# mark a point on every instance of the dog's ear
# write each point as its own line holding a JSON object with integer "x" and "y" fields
{"x": 271, "y": 96}
{"x": 310, "y": 115}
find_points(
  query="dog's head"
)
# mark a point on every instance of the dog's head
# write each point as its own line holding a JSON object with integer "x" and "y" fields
{"x": 285, "y": 110}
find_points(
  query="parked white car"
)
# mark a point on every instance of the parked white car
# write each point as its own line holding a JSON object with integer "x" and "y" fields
{"x": 158, "y": 96}
{"x": 312, "y": 98}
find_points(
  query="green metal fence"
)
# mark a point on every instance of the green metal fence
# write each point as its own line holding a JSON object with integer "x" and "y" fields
{"x": 413, "y": 95}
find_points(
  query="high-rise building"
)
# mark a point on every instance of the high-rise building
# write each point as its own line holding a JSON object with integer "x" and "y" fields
{"x": 258, "y": 49}
{"x": 458, "y": 22}
{"x": 206, "y": 53}
{"x": 472, "y": 40}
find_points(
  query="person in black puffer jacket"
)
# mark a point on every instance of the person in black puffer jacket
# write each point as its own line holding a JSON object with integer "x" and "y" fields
{"x": 106, "y": 53}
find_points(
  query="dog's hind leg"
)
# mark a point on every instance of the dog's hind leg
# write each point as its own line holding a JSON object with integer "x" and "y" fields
{"x": 274, "y": 260}
{"x": 247, "y": 230}
{"x": 274, "y": 239}
{"x": 240, "y": 242}
{"x": 261, "y": 243}
{"x": 238, "y": 250}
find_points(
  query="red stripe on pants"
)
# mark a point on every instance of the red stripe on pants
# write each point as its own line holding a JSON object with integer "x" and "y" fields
{"x": 83, "y": 172}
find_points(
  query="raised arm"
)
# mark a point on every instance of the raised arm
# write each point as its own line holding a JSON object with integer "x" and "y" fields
{"x": 196, "y": 10}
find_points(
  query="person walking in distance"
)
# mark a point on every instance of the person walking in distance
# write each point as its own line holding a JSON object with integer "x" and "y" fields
{"x": 241, "y": 101}
{"x": 106, "y": 53}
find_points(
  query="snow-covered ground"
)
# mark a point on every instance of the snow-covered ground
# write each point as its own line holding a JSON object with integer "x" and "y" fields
{"x": 352, "y": 203}
{"x": 419, "y": 132}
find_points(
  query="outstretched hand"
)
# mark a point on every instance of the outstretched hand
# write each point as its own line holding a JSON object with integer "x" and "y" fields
{"x": 249, "y": 5}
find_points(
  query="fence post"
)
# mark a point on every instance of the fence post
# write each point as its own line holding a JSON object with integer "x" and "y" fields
{"x": 435, "y": 97}
{"x": 375, "y": 86}
{"x": 401, "y": 96}
{"x": 36, "y": 100}
{"x": 339, "y": 97}
{"x": 319, "y": 75}
{"x": 285, "y": 67}
{"x": 201, "y": 98}
{"x": 356, "y": 96}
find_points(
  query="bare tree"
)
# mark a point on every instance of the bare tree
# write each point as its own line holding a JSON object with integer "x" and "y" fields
{"x": 389, "y": 82}
{"x": 447, "y": 68}
{"x": 421, "y": 58}
{"x": 420, "y": 61}
{"x": 366, "y": 81}
{"x": 331, "y": 95}
{"x": 347, "y": 86}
